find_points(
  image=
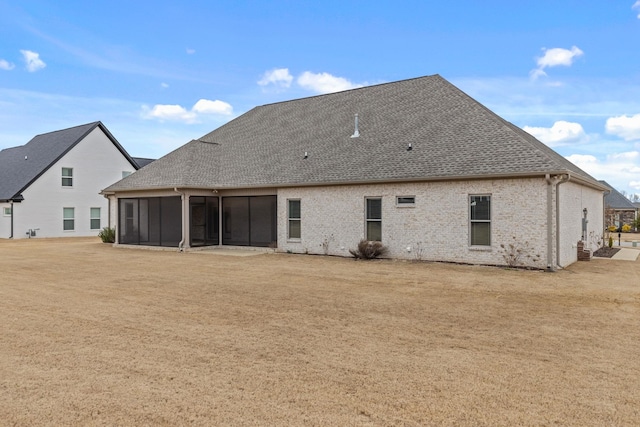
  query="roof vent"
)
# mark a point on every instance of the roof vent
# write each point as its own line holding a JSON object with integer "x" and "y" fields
{"x": 356, "y": 134}
{"x": 306, "y": 155}
{"x": 25, "y": 157}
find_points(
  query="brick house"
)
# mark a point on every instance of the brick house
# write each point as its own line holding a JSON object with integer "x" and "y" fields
{"x": 618, "y": 209}
{"x": 416, "y": 164}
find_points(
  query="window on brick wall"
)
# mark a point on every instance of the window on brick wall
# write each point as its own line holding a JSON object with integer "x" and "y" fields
{"x": 480, "y": 220}
{"x": 374, "y": 219}
{"x": 295, "y": 222}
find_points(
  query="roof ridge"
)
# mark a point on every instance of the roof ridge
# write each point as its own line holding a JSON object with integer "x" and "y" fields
{"x": 353, "y": 89}
{"x": 529, "y": 139}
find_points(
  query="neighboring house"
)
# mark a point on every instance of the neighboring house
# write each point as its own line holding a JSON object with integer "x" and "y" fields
{"x": 618, "y": 209}
{"x": 417, "y": 164}
{"x": 50, "y": 186}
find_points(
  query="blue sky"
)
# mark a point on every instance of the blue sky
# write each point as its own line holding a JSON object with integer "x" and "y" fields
{"x": 159, "y": 74}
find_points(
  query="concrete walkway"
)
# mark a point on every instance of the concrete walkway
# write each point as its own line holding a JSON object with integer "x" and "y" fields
{"x": 624, "y": 254}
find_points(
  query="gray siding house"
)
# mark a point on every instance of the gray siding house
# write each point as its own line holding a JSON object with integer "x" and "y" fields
{"x": 416, "y": 164}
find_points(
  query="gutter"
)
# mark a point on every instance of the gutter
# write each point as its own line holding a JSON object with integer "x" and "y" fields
{"x": 11, "y": 204}
{"x": 182, "y": 196}
{"x": 551, "y": 183}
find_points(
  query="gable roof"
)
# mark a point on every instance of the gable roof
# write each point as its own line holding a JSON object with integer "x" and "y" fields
{"x": 452, "y": 136}
{"x": 21, "y": 166}
{"x": 615, "y": 200}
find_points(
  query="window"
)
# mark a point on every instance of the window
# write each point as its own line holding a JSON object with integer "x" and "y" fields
{"x": 126, "y": 173}
{"x": 480, "y": 220}
{"x": 67, "y": 177}
{"x": 295, "y": 224}
{"x": 68, "y": 219}
{"x": 406, "y": 201}
{"x": 374, "y": 219}
{"x": 95, "y": 219}
{"x": 7, "y": 211}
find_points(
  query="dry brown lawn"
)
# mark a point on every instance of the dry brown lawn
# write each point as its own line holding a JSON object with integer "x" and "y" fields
{"x": 95, "y": 335}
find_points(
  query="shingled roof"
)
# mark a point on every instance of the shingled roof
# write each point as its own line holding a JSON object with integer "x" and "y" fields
{"x": 616, "y": 200}
{"x": 21, "y": 166}
{"x": 417, "y": 129}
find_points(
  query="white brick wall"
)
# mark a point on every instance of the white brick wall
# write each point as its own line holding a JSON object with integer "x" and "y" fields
{"x": 573, "y": 199}
{"x": 438, "y": 224}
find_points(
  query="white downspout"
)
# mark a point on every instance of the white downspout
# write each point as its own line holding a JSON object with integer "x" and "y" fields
{"x": 181, "y": 244}
{"x": 562, "y": 180}
{"x": 552, "y": 184}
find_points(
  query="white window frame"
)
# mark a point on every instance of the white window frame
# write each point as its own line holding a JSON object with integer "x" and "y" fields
{"x": 479, "y": 221}
{"x": 291, "y": 219}
{"x": 67, "y": 177}
{"x": 93, "y": 218}
{"x": 72, "y": 219}
{"x": 368, "y": 220}
{"x": 405, "y": 201}
{"x": 6, "y": 210}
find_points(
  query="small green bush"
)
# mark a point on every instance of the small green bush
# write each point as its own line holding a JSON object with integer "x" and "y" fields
{"x": 368, "y": 249}
{"x": 610, "y": 241}
{"x": 108, "y": 235}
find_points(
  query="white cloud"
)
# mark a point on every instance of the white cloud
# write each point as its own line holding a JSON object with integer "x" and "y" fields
{"x": 164, "y": 85}
{"x": 621, "y": 170}
{"x": 6, "y": 65}
{"x": 555, "y": 57}
{"x": 177, "y": 113}
{"x": 190, "y": 51}
{"x": 278, "y": 76}
{"x": 172, "y": 112}
{"x": 205, "y": 106}
{"x": 636, "y": 5}
{"x": 32, "y": 60}
{"x": 626, "y": 127}
{"x": 325, "y": 82}
{"x": 635, "y": 185}
{"x": 561, "y": 133}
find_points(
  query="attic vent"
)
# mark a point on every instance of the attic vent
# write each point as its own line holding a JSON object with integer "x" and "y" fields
{"x": 356, "y": 134}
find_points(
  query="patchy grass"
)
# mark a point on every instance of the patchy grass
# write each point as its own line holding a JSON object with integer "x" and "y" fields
{"x": 95, "y": 335}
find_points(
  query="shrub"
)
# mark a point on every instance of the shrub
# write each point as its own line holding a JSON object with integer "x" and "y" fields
{"x": 108, "y": 235}
{"x": 518, "y": 254}
{"x": 626, "y": 228}
{"x": 368, "y": 249}
{"x": 612, "y": 228}
{"x": 610, "y": 241}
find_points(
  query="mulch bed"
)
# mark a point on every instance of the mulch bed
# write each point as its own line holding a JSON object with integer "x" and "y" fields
{"x": 606, "y": 252}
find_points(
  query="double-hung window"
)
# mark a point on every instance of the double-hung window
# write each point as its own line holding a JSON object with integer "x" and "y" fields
{"x": 374, "y": 219}
{"x": 480, "y": 220}
{"x": 67, "y": 177}
{"x": 7, "y": 211}
{"x": 95, "y": 219}
{"x": 68, "y": 219}
{"x": 295, "y": 225}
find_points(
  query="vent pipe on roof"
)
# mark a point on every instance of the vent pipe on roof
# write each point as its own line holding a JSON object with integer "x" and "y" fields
{"x": 356, "y": 134}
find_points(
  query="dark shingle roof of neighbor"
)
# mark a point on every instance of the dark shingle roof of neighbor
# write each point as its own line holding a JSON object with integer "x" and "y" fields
{"x": 452, "y": 137}
{"x": 616, "y": 200}
{"x": 21, "y": 166}
{"x": 142, "y": 161}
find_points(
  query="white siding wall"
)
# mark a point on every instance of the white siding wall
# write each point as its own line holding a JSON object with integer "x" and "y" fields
{"x": 5, "y": 222}
{"x": 96, "y": 164}
{"x": 573, "y": 199}
{"x": 438, "y": 224}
